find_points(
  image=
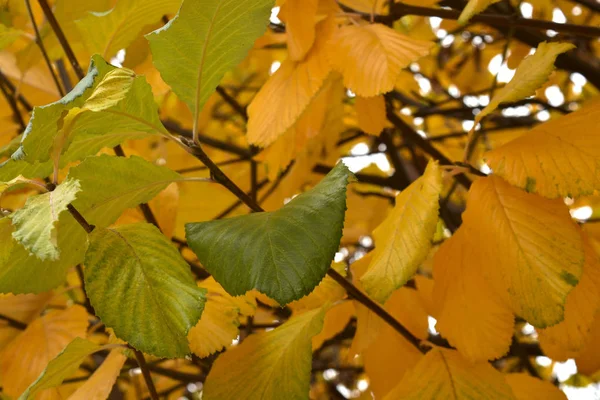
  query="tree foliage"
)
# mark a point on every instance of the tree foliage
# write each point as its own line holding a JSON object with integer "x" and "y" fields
{"x": 294, "y": 199}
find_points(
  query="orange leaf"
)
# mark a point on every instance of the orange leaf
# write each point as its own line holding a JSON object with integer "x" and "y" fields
{"x": 28, "y": 354}
{"x": 371, "y": 56}
{"x": 473, "y": 320}
{"x": 287, "y": 93}
{"x": 99, "y": 385}
{"x": 566, "y": 339}
{"x": 526, "y": 387}
{"x": 371, "y": 114}
{"x": 532, "y": 248}
{"x": 299, "y": 17}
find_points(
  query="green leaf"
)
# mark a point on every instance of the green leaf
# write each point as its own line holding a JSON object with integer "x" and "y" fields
{"x": 35, "y": 223}
{"x": 135, "y": 116}
{"x": 142, "y": 288}
{"x": 284, "y": 254}
{"x": 206, "y": 39}
{"x": 108, "y": 32}
{"x": 63, "y": 366}
{"x": 268, "y": 365}
{"x": 6, "y": 242}
{"x": 130, "y": 182}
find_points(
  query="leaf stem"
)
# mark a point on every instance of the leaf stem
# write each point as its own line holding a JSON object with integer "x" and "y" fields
{"x": 139, "y": 356}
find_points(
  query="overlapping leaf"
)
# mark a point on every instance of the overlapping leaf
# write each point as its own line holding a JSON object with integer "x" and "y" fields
{"x": 555, "y": 159}
{"x": 29, "y": 353}
{"x": 107, "y": 32}
{"x": 101, "y": 201}
{"x": 99, "y": 385}
{"x": 462, "y": 296}
{"x": 260, "y": 368}
{"x": 370, "y": 57}
{"x": 444, "y": 374}
{"x": 289, "y": 91}
{"x": 533, "y": 250}
{"x": 403, "y": 240}
{"x": 62, "y": 366}
{"x": 142, "y": 288}
{"x": 35, "y": 223}
{"x": 370, "y": 112}
{"x": 526, "y": 387}
{"x": 267, "y": 251}
{"x": 108, "y": 122}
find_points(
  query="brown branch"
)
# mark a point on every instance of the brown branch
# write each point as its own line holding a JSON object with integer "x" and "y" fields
{"x": 400, "y": 10}
{"x": 139, "y": 356}
{"x": 62, "y": 38}
{"x": 11, "y": 102}
{"x": 13, "y": 322}
{"x": 40, "y": 43}
{"x": 233, "y": 103}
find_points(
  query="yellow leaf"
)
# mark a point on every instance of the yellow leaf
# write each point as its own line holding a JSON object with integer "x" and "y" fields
{"x": 328, "y": 291}
{"x": 218, "y": 325}
{"x": 371, "y": 114}
{"x": 588, "y": 360}
{"x": 365, "y": 6}
{"x": 566, "y": 339}
{"x": 28, "y": 354}
{"x": 474, "y": 7}
{"x": 259, "y": 368}
{"x": 526, "y": 387}
{"x": 336, "y": 320}
{"x": 556, "y": 159}
{"x": 531, "y": 74}
{"x": 299, "y": 17}
{"x": 99, "y": 385}
{"x": 444, "y": 374}
{"x": 370, "y": 57}
{"x": 23, "y": 308}
{"x": 470, "y": 316}
{"x": 425, "y": 290}
{"x": 403, "y": 240}
{"x": 532, "y": 248}
{"x": 389, "y": 355}
{"x": 287, "y": 93}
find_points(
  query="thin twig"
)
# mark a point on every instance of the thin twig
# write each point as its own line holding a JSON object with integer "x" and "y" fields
{"x": 40, "y": 43}
{"x": 139, "y": 356}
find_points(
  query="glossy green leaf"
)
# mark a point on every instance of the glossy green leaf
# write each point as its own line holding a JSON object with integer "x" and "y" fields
{"x": 63, "y": 366}
{"x": 101, "y": 201}
{"x": 206, "y": 39}
{"x": 108, "y": 32}
{"x": 134, "y": 116}
{"x": 284, "y": 254}
{"x": 35, "y": 223}
{"x": 142, "y": 288}
{"x": 268, "y": 365}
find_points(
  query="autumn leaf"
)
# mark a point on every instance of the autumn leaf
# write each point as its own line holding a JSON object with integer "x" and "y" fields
{"x": 533, "y": 250}
{"x": 99, "y": 385}
{"x": 370, "y": 112}
{"x": 404, "y": 238}
{"x": 370, "y": 57}
{"x": 31, "y": 351}
{"x": 299, "y": 17}
{"x": 260, "y": 363}
{"x": 462, "y": 295}
{"x": 526, "y": 387}
{"x": 443, "y": 373}
{"x": 565, "y": 161}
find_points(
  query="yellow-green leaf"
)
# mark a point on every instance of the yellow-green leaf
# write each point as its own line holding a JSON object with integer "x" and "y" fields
{"x": 403, "y": 240}
{"x": 530, "y": 75}
{"x": 142, "y": 288}
{"x": 268, "y": 365}
{"x": 62, "y": 366}
{"x": 532, "y": 249}
{"x": 35, "y": 224}
{"x": 206, "y": 39}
